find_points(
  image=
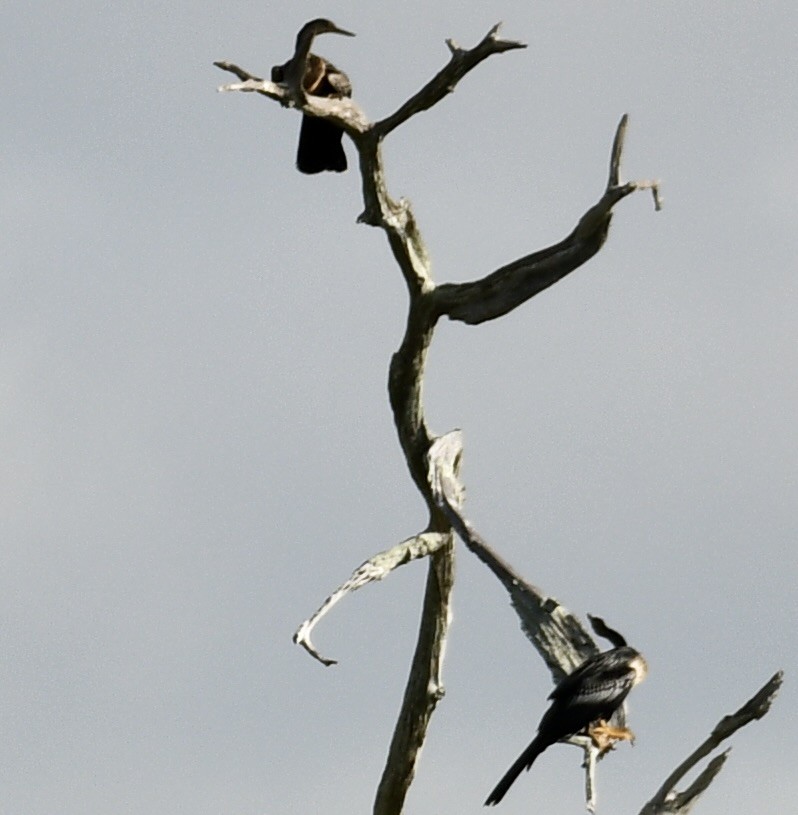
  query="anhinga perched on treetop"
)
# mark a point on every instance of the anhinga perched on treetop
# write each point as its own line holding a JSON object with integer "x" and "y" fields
{"x": 320, "y": 145}
{"x": 584, "y": 700}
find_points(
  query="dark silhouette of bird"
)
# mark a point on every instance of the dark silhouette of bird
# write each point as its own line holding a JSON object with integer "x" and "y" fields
{"x": 585, "y": 699}
{"x": 320, "y": 145}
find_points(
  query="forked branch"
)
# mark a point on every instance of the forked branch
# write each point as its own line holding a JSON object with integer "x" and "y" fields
{"x": 444, "y": 82}
{"x": 507, "y": 288}
{"x": 668, "y": 801}
{"x": 375, "y": 568}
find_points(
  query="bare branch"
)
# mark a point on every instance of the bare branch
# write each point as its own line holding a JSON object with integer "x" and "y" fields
{"x": 558, "y": 636}
{"x": 444, "y": 82}
{"x": 684, "y": 801}
{"x": 343, "y": 112}
{"x": 591, "y": 756}
{"x": 260, "y": 86}
{"x": 616, "y": 153}
{"x": 241, "y": 73}
{"x": 667, "y": 799}
{"x": 376, "y": 568}
{"x": 507, "y": 288}
{"x": 615, "y": 165}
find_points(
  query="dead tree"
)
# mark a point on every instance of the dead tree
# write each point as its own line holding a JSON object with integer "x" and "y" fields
{"x": 433, "y": 462}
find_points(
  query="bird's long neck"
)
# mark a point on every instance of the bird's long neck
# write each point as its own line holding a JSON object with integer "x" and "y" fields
{"x": 303, "y": 42}
{"x": 297, "y": 65}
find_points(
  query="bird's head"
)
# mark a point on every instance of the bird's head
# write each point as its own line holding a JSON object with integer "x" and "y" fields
{"x": 640, "y": 668}
{"x": 323, "y": 26}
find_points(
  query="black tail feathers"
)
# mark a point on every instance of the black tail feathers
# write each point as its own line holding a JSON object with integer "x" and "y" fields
{"x": 523, "y": 762}
{"x": 320, "y": 147}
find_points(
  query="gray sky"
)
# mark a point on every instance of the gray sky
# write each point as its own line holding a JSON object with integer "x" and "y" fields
{"x": 196, "y": 440}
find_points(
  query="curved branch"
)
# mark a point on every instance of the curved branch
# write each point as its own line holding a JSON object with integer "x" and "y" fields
{"x": 375, "y": 568}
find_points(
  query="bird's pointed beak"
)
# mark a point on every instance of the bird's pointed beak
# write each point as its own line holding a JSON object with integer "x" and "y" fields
{"x": 337, "y": 30}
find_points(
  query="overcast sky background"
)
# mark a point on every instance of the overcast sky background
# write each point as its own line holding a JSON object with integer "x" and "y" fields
{"x": 196, "y": 440}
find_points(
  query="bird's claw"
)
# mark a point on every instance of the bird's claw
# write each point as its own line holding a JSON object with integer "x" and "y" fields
{"x": 604, "y": 736}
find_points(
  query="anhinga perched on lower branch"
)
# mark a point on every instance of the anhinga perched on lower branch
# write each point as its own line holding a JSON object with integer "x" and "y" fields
{"x": 584, "y": 700}
{"x": 320, "y": 145}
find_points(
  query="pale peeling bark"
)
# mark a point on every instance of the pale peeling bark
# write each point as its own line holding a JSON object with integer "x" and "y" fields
{"x": 375, "y": 568}
{"x": 558, "y": 636}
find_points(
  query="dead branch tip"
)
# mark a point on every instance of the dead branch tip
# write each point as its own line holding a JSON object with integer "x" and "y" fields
{"x": 302, "y": 637}
{"x": 617, "y": 152}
